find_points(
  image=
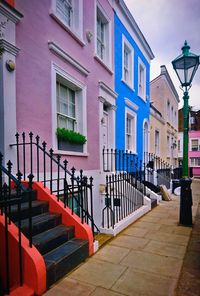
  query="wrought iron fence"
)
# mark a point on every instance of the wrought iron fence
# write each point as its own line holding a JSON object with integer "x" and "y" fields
{"x": 115, "y": 160}
{"x": 12, "y": 195}
{"x": 124, "y": 194}
{"x": 73, "y": 188}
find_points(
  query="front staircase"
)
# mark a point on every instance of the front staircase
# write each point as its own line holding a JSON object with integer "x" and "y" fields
{"x": 56, "y": 242}
{"x": 46, "y": 218}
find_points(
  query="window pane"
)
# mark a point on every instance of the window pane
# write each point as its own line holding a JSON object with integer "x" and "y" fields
{"x": 64, "y": 9}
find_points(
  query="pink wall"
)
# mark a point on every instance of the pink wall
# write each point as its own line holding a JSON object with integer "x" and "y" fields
{"x": 34, "y": 72}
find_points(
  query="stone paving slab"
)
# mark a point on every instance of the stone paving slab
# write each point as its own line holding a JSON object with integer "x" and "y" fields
{"x": 113, "y": 254}
{"x": 138, "y": 283}
{"x": 153, "y": 263}
{"x": 98, "y": 273}
{"x": 165, "y": 249}
{"x": 129, "y": 242}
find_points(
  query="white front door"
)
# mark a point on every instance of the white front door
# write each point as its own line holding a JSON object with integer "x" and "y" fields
{"x": 105, "y": 130}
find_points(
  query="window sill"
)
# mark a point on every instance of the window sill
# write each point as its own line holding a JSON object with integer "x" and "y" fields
{"x": 103, "y": 64}
{"x": 142, "y": 98}
{"x": 128, "y": 85}
{"x": 64, "y": 26}
{"x": 70, "y": 153}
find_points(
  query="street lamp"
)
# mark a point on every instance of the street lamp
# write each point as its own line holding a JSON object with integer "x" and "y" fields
{"x": 185, "y": 66}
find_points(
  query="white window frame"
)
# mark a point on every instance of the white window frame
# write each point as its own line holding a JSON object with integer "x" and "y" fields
{"x": 80, "y": 89}
{"x": 129, "y": 113}
{"x": 130, "y": 81}
{"x": 143, "y": 94}
{"x": 107, "y": 59}
{"x": 76, "y": 28}
{"x": 195, "y": 161}
{"x": 198, "y": 146}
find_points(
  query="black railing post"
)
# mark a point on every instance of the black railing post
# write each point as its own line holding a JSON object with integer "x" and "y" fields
{"x": 24, "y": 154}
{"x": 85, "y": 186}
{"x": 44, "y": 144}
{"x": 51, "y": 170}
{"x": 38, "y": 157}
{"x": 81, "y": 194}
{"x": 17, "y": 143}
{"x": 19, "y": 195}
{"x": 30, "y": 188}
{"x": 72, "y": 183}
{"x": 65, "y": 183}
{"x": 31, "y": 150}
{"x": 91, "y": 203}
{"x": 58, "y": 177}
{"x": 9, "y": 166}
{"x": 111, "y": 156}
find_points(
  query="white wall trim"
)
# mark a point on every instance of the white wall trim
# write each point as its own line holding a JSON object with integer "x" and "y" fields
{"x": 7, "y": 46}
{"x": 131, "y": 113}
{"x": 131, "y": 104}
{"x": 109, "y": 60}
{"x": 130, "y": 47}
{"x": 56, "y": 69}
{"x": 11, "y": 13}
{"x": 107, "y": 89}
{"x": 140, "y": 63}
{"x": 56, "y": 49}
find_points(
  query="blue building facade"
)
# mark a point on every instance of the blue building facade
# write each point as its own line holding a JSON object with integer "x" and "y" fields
{"x": 132, "y": 83}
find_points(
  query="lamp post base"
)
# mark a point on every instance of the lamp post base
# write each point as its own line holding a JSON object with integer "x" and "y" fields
{"x": 185, "y": 218}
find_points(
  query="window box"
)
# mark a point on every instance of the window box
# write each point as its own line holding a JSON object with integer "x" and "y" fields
{"x": 69, "y": 140}
{"x": 67, "y": 146}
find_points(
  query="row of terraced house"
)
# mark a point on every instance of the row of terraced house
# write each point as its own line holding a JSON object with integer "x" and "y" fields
{"x": 75, "y": 128}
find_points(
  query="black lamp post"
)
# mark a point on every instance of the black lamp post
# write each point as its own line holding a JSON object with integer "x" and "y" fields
{"x": 186, "y": 66}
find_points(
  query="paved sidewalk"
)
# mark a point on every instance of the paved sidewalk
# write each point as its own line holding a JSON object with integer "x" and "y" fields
{"x": 144, "y": 260}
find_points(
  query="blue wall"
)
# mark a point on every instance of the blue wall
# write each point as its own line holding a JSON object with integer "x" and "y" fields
{"x": 124, "y": 91}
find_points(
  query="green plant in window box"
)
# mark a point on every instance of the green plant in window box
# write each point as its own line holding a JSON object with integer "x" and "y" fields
{"x": 70, "y": 140}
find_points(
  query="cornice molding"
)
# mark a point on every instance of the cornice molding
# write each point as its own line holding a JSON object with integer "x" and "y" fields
{"x": 107, "y": 89}
{"x": 10, "y": 12}
{"x": 131, "y": 104}
{"x": 56, "y": 49}
{"x": 7, "y": 46}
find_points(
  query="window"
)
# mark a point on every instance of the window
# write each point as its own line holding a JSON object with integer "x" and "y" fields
{"x": 194, "y": 161}
{"x": 130, "y": 131}
{"x": 103, "y": 37}
{"x": 168, "y": 111}
{"x": 68, "y": 104}
{"x": 157, "y": 142}
{"x": 65, "y": 10}
{"x": 168, "y": 146}
{"x": 141, "y": 80}
{"x": 66, "y": 107}
{"x": 69, "y": 13}
{"x": 127, "y": 61}
{"x": 179, "y": 145}
{"x": 194, "y": 144}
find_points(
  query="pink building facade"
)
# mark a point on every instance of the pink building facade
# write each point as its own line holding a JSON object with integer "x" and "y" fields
{"x": 194, "y": 152}
{"x": 62, "y": 77}
{"x": 58, "y": 55}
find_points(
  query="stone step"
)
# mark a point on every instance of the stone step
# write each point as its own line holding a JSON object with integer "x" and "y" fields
{"x": 63, "y": 259}
{"x": 41, "y": 223}
{"x": 53, "y": 238}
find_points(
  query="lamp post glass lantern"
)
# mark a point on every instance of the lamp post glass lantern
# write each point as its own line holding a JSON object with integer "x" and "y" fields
{"x": 185, "y": 66}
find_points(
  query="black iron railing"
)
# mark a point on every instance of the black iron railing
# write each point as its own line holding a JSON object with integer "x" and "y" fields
{"x": 116, "y": 160}
{"x": 124, "y": 193}
{"x": 12, "y": 193}
{"x": 74, "y": 189}
{"x": 163, "y": 170}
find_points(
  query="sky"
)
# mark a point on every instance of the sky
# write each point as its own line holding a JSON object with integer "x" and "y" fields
{"x": 166, "y": 24}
